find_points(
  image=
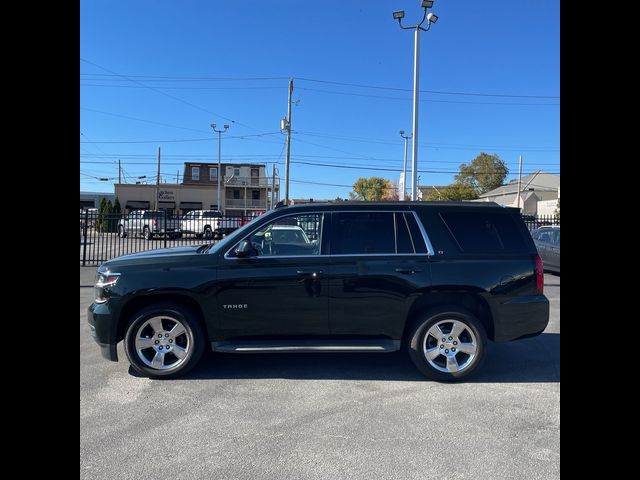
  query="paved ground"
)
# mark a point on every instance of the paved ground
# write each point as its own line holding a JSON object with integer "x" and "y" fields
{"x": 313, "y": 416}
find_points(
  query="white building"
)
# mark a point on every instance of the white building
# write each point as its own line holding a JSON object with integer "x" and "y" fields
{"x": 538, "y": 191}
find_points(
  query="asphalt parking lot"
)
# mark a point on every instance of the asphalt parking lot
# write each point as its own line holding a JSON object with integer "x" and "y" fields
{"x": 319, "y": 416}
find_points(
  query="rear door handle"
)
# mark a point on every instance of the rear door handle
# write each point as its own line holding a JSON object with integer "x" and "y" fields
{"x": 408, "y": 271}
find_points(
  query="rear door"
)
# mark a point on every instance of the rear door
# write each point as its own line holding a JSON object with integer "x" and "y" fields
{"x": 378, "y": 261}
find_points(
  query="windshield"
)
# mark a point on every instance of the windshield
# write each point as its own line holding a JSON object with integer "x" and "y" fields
{"x": 228, "y": 241}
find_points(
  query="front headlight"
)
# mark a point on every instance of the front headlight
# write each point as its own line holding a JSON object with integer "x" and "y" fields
{"x": 104, "y": 280}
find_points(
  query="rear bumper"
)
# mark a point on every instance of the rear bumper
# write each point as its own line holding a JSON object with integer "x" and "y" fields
{"x": 521, "y": 317}
{"x": 101, "y": 326}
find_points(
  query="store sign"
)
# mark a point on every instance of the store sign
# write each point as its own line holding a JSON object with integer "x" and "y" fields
{"x": 167, "y": 195}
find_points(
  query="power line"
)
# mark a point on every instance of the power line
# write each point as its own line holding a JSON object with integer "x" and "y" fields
{"x": 187, "y": 139}
{"x": 169, "y": 95}
{"x": 440, "y": 92}
{"x": 104, "y": 77}
{"x": 426, "y": 99}
{"x": 181, "y": 88}
{"x": 142, "y": 120}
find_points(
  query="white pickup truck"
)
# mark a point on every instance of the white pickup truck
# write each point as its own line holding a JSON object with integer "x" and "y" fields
{"x": 149, "y": 224}
{"x": 209, "y": 224}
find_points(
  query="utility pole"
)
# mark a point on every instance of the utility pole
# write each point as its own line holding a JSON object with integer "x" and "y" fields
{"x": 220, "y": 132}
{"x": 288, "y": 160}
{"x": 431, "y": 19}
{"x": 519, "y": 178}
{"x": 119, "y": 172}
{"x": 157, "y": 182}
{"x": 273, "y": 186}
{"x": 404, "y": 175}
{"x": 178, "y": 176}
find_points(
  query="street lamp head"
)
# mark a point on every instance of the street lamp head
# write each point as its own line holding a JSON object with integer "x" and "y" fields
{"x": 398, "y": 15}
{"x": 401, "y": 132}
{"x": 431, "y": 18}
{"x": 213, "y": 125}
{"x": 226, "y": 126}
{"x": 427, "y": 3}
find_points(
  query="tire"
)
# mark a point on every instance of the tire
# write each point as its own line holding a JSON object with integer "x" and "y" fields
{"x": 207, "y": 233}
{"x": 121, "y": 232}
{"x": 438, "y": 366}
{"x": 146, "y": 233}
{"x": 144, "y": 329}
{"x": 217, "y": 235}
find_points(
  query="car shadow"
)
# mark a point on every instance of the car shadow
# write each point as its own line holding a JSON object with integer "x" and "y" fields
{"x": 532, "y": 360}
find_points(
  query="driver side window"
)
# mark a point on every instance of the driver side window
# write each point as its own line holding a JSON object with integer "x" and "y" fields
{"x": 294, "y": 235}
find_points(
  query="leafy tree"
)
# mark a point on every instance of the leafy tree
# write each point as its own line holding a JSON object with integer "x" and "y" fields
{"x": 484, "y": 173}
{"x": 339, "y": 199}
{"x": 453, "y": 192}
{"x": 370, "y": 189}
{"x": 117, "y": 209}
{"x": 557, "y": 212}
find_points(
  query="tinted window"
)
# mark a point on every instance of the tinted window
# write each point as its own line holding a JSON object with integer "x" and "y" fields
{"x": 211, "y": 214}
{"x": 483, "y": 232}
{"x": 362, "y": 232}
{"x": 152, "y": 215}
{"x": 287, "y": 237}
{"x": 403, "y": 238}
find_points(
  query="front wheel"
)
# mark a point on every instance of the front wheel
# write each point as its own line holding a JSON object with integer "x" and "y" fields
{"x": 447, "y": 344}
{"x": 121, "y": 232}
{"x": 146, "y": 233}
{"x": 208, "y": 233}
{"x": 164, "y": 340}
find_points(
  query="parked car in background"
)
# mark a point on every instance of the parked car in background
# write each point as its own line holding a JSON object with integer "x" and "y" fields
{"x": 547, "y": 240}
{"x": 209, "y": 224}
{"x": 149, "y": 223}
{"x": 439, "y": 279}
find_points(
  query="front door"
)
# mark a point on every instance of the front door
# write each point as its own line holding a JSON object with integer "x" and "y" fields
{"x": 281, "y": 288}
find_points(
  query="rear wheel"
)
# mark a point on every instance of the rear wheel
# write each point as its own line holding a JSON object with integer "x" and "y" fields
{"x": 208, "y": 233}
{"x": 121, "y": 232}
{"x": 447, "y": 344}
{"x": 146, "y": 233}
{"x": 164, "y": 340}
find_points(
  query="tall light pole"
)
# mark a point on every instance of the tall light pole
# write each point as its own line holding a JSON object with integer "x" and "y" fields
{"x": 430, "y": 18}
{"x": 404, "y": 175}
{"x": 220, "y": 132}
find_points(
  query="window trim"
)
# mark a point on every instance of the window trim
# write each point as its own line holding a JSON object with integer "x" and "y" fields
{"x": 425, "y": 237}
{"x": 212, "y": 177}
{"x": 195, "y": 177}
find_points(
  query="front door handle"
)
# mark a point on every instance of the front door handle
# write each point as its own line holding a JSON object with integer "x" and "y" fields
{"x": 309, "y": 273}
{"x": 408, "y": 271}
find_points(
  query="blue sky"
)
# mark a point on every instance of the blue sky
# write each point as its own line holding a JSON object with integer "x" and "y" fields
{"x": 229, "y": 61}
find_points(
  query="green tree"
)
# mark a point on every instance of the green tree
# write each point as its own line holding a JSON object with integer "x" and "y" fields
{"x": 117, "y": 209}
{"x": 484, "y": 173}
{"x": 370, "y": 189}
{"x": 557, "y": 212}
{"x": 453, "y": 192}
{"x": 101, "y": 214}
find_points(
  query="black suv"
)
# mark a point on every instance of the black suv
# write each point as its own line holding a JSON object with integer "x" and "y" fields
{"x": 439, "y": 278}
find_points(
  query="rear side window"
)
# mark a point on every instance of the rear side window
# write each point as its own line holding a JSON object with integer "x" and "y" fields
{"x": 362, "y": 233}
{"x": 211, "y": 215}
{"x": 484, "y": 232}
{"x": 152, "y": 215}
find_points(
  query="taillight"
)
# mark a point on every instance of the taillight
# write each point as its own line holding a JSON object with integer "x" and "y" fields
{"x": 539, "y": 275}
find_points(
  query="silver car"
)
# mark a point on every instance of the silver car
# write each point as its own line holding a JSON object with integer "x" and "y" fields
{"x": 547, "y": 240}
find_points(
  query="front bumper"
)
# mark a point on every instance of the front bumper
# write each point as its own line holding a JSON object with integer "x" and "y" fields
{"x": 101, "y": 325}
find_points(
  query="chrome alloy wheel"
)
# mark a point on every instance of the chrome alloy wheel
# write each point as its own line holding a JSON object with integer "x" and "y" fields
{"x": 450, "y": 346}
{"x": 162, "y": 343}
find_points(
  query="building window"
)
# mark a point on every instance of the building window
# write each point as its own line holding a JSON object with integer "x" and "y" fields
{"x": 236, "y": 172}
{"x": 255, "y": 194}
{"x": 236, "y": 194}
{"x": 195, "y": 173}
{"x": 213, "y": 173}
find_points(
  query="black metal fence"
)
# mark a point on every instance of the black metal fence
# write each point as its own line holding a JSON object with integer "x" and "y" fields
{"x": 107, "y": 236}
{"x": 537, "y": 221}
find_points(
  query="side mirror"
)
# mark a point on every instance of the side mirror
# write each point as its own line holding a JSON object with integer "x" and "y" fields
{"x": 244, "y": 249}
